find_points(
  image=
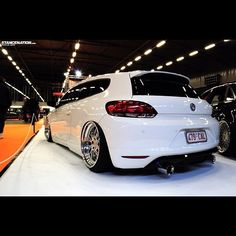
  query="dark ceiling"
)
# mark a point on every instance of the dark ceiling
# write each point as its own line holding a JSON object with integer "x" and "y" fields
{"x": 46, "y": 61}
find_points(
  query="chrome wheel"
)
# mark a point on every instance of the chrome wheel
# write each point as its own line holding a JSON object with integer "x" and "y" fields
{"x": 47, "y": 133}
{"x": 225, "y": 135}
{"x": 90, "y": 144}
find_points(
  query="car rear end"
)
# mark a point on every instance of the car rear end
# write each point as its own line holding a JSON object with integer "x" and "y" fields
{"x": 163, "y": 118}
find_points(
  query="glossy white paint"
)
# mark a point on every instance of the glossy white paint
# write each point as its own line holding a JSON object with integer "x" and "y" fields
{"x": 154, "y": 137}
{"x": 47, "y": 169}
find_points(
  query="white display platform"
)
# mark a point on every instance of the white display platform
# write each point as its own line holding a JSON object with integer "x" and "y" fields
{"x": 48, "y": 169}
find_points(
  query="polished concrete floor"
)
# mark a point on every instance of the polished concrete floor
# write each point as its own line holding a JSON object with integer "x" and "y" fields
{"x": 48, "y": 169}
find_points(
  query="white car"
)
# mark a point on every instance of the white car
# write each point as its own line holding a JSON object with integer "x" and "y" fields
{"x": 133, "y": 120}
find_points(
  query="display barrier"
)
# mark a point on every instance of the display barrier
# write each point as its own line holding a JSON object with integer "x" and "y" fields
{"x": 4, "y": 162}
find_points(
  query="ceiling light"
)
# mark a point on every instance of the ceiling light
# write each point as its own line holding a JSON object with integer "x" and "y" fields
{"x": 9, "y": 58}
{"x": 180, "y": 59}
{"x": 226, "y": 40}
{"x": 169, "y": 63}
{"x": 122, "y": 68}
{"x": 66, "y": 74}
{"x": 90, "y": 75}
{"x": 78, "y": 73}
{"x": 129, "y": 63}
{"x": 4, "y": 51}
{"x": 159, "y": 67}
{"x": 17, "y": 67}
{"x": 210, "y": 46}
{"x": 137, "y": 58}
{"x": 161, "y": 43}
{"x": 77, "y": 45}
{"x": 152, "y": 70}
{"x": 13, "y": 63}
{"x": 73, "y": 54}
{"x": 20, "y": 71}
{"x": 193, "y": 53}
{"x": 17, "y": 90}
{"x": 72, "y": 60}
{"x": 117, "y": 71}
{"x": 148, "y": 52}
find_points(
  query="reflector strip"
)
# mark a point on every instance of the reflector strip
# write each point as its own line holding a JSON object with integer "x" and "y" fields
{"x": 135, "y": 157}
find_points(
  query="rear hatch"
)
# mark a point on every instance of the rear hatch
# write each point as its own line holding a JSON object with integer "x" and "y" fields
{"x": 168, "y": 93}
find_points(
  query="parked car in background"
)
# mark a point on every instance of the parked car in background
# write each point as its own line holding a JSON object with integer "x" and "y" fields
{"x": 223, "y": 100}
{"x": 133, "y": 120}
{"x": 14, "y": 112}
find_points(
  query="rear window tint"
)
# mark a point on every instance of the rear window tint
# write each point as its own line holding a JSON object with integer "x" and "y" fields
{"x": 157, "y": 84}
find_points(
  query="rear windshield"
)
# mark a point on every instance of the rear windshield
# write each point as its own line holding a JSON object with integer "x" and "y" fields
{"x": 158, "y": 84}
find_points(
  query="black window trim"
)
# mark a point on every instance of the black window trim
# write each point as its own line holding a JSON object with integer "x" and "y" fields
{"x": 77, "y": 87}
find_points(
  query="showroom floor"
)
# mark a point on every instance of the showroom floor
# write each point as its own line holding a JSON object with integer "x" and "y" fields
{"x": 48, "y": 169}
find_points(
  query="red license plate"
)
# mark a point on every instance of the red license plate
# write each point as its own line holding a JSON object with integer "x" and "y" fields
{"x": 196, "y": 136}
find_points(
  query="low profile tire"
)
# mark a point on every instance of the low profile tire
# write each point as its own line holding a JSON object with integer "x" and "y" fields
{"x": 94, "y": 148}
{"x": 225, "y": 144}
{"x": 47, "y": 133}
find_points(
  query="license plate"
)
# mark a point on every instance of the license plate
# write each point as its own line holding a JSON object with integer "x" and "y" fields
{"x": 196, "y": 136}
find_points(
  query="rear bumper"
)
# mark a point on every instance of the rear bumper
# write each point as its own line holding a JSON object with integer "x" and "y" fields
{"x": 185, "y": 159}
{"x": 134, "y": 143}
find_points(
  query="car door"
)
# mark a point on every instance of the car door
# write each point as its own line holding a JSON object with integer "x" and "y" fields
{"x": 229, "y": 106}
{"x": 216, "y": 99}
{"x": 78, "y": 115}
{"x": 60, "y": 123}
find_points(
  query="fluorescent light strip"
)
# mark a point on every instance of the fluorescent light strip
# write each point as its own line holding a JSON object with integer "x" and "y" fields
{"x": 210, "y": 46}
{"x": 17, "y": 90}
{"x": 5, "y": 52}
{"x": 190, "y": 54}
{"x": 148, "y": 52}
{"x": 122, "y": 68}
{"x": 137, "y": 58}
{"x": 129, "y": 63}
{"x": 66, "y": 74}
{"x": 180, "y": 59}
{"x": 193, "y": 53}
{"x": 169, "y": 63}
{"x": 160, "y": 43}
{"x": 77, "y": 45}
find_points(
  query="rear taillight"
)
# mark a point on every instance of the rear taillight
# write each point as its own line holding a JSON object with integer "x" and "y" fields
{"x": 134, "y": 109}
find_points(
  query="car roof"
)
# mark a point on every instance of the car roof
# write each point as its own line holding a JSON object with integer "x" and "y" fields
{"x": 130, "y": 74}
{"x": 218, "y": 86}
{"x": 133, "y": 73}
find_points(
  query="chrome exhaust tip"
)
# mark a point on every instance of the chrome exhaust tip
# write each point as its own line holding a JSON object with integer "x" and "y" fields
{"x": 167, "y": 170}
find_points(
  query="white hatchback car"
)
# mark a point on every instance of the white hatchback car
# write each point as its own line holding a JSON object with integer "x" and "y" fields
{"x": 133, "y": 120}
